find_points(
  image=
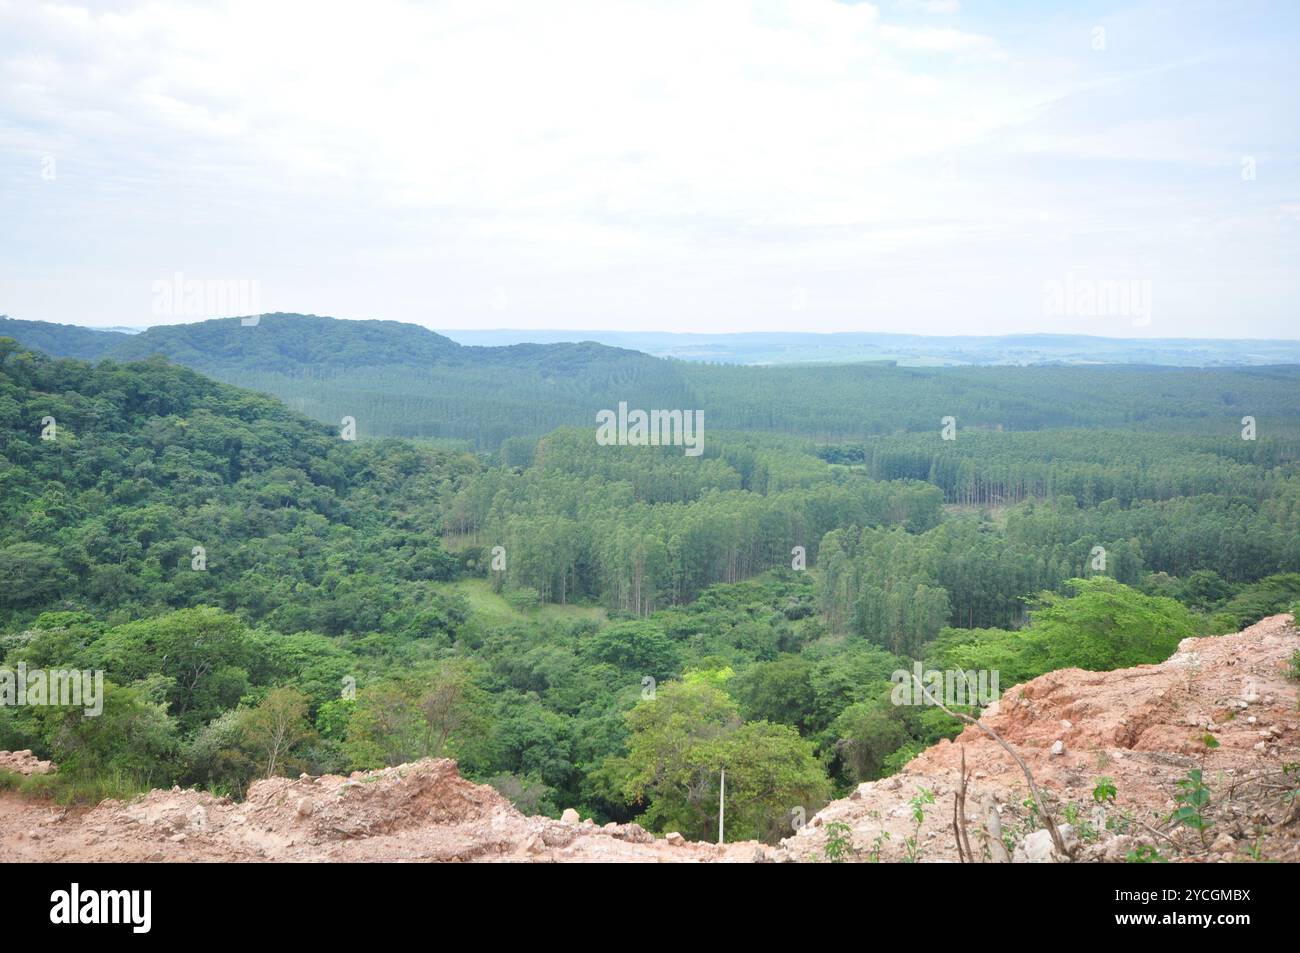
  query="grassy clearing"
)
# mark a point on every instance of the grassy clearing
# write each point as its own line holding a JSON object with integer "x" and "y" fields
{"x": 68, "y": 791}
{"x": 489, "y": 608}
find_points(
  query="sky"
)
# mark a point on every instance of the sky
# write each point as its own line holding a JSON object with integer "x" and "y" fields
{"x": 921, "y": 166}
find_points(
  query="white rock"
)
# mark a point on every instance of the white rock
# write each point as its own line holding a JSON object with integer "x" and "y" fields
{"x": 1037, "y": 848}
{"x": 570, "y": 816}
{"x": 1058, "y": 747}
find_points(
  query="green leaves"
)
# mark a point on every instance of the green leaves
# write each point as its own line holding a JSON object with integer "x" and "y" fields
{"x": 679, "y": 744}
{"x": 1193, "y": 800}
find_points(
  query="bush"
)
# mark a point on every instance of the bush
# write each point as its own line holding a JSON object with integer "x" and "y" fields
{"x": 132, "y": 741}
{"x": 523, "y": 599}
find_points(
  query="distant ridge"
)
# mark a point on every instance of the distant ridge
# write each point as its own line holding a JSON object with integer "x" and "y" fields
{"x": 797, "y": 347}
{"x": 404, "y": 380}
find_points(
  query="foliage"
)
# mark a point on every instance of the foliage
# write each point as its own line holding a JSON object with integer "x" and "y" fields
{"x": 679, "y": 744}
{"x": 649, "y": 629}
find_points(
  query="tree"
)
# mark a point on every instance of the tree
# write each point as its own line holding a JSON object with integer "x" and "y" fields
{"x": 866, "y": 733}
{"x": 455, "y": 711}
{"x": 131, "y": 738}
{"x": 385, "y": 726}
{"x": 430, "y": 714}
{"x": 779, "y": 691}
{"x": 276, "y": 727}
{"x": 1106, "y": 625}
{"x": 203, "y": 651}
{"x": 681, "y": 740}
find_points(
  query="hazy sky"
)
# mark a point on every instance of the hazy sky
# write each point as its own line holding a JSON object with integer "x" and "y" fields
{"x": 950, "y": 166}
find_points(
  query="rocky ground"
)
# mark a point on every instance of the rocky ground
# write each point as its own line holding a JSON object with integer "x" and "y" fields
{"x": 1143, "y": 728}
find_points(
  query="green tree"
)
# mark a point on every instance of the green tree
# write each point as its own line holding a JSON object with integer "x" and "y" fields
{"x": 275, "y": 728}
{"x": 679, "y": 743}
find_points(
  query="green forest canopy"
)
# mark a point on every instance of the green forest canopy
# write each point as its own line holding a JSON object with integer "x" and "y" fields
{"x": 346, "y": 587}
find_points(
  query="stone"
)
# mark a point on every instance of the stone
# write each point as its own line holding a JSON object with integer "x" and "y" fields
{"x": 1058, "y": 747}
{"x": 674, "y": 839}
{"x": 1037, "y": 847}
{"x": 570, "y": 816}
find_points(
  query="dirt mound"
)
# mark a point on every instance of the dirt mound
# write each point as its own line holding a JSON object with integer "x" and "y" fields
{"x": 1141, "y": 728}
{"x": 414, "y": 812}
{"x": 24, "y": 762}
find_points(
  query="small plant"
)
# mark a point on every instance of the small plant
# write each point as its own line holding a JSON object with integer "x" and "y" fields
{"x": 912, "y": 848}
{"x": 1291, "y": 772}
{"x": 839, "y": 842}
{"x": 1119, "y": 822}
{"x": 1032, "y": 822}
{"x": 1105, "y": 791}
{"x": 1012, "y": 834}
{"x": 1082, "y": 826}
{"x": 877, "y": 845}
{"x": 1256, "y": 849}
{"x": 1193, "y": 797}
{"x": 1144, "y": 854}
{"x": 1193, "y": 800}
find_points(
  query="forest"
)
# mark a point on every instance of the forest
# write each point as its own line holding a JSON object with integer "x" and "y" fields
{"x": 403, "y": 380}
{"x": 599, "y": 627}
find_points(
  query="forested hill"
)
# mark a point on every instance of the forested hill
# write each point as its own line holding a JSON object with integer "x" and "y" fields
{"x": 916, "y": 350}
{"x": 288, "y": 344}
{"x": 395, "y": 379}
{"x": 61, "y": 340}
{"x": 230, "y": 564}
{"x": 116, "y": 476}
{"x": 403, "y": 380}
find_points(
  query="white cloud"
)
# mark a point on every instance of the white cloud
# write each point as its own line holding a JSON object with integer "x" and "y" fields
{"x": 432, "y": 150}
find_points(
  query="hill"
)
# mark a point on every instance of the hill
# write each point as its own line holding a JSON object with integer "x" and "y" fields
{"x": 793, "y": 347}
{"x": 61, "y": 340}
{"x": 402, "y": 380}
{"x": 141, "y": 463}
{"x": 225, "y": 560}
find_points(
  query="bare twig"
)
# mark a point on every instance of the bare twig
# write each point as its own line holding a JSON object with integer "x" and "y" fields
{"x": 993, "y": 832}
{"x": 1052, "y": 830}
{"x": 959, "y": 809}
